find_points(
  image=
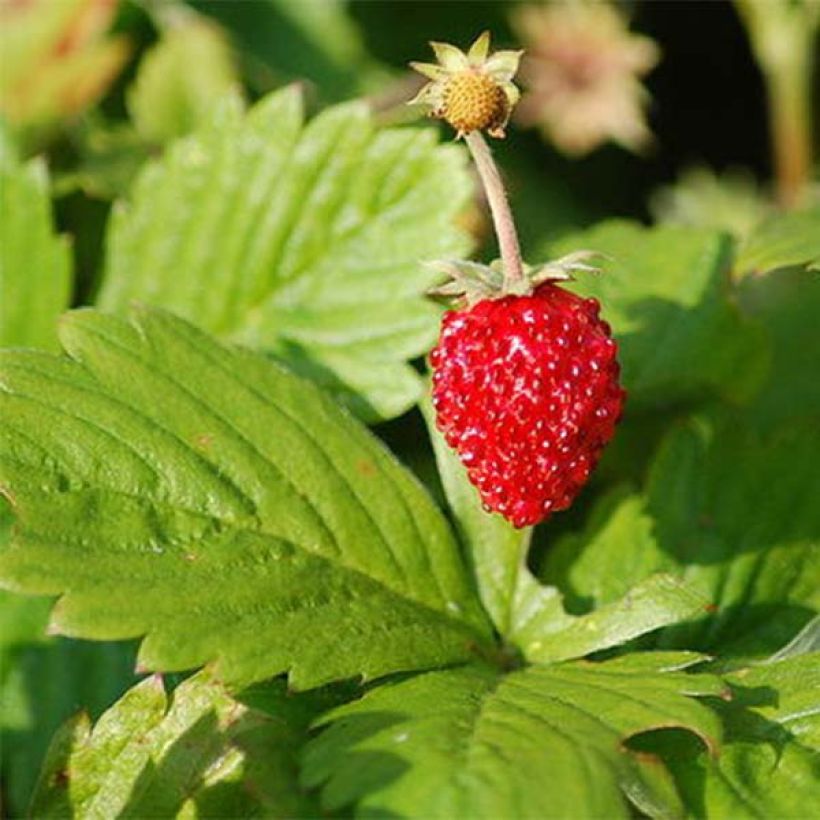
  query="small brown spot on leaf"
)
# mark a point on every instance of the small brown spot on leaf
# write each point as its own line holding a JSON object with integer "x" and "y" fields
{"x": 366, "y": 468}
{"x": 204, "y": 441}
{"x": 710, "y": 608}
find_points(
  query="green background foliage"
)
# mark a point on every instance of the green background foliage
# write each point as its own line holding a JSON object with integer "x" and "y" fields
{"x": 217, "y": 450}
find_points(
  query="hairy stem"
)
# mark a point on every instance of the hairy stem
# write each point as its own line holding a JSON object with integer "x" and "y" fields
{"x": 499, "y": 207}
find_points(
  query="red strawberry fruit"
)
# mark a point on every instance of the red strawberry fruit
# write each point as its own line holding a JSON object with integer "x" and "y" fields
{"x": 525, "y": 381}
{"x": 526, "y": 391}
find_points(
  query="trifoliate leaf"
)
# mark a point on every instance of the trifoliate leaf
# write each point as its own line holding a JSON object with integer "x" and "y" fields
{"x": 665, "y": 293}
{"x": 179, "y": 79}
{"x": 734, "y": 514}
{"x": 202, "y": 754}
{"x": 203, "y": 496}
{"x": 531, "y": 616}
{"x": 770, "y": 763}
{"x": 783, "y": 241}
{"x": 306, "y": 241}
{"x": 538, "y": 742}
{"x": 42, "y": 685}
{"x": 35, "y": 263}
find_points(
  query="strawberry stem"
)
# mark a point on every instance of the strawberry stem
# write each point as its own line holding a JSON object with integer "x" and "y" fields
{"x": 499, "y": 208}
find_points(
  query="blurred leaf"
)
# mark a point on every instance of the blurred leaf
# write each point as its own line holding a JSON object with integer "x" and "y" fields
{"x": 41, "y": 685}
{"x": 538, "y": 742}
{"x": 180, "y": 78}
{"x": 787, "y": 304}
{"x": 243, "y": 517}
{"x": 204, "y": 754}
{"x": 731, "y": 200}
{"x": 56, "y": 59}
{"x": 312, "y": 39}
{"x": 35, "y": 263}
{"x": 666, "y": 294}
{"x": 783, "y": 241}
{"x": 732, "y": 513}
{"x": 306, "y": 242}
{"x": 770, "y": 763}
{"x": 108, "y": 159}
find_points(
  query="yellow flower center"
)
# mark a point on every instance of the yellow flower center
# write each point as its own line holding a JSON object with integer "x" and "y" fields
{"x": 473, "y": 101}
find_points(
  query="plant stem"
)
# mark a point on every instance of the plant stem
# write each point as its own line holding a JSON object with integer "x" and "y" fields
{"x": 782, "y": 37}
{"x": 499, "y": 208}
{"x": 790, "y": 116}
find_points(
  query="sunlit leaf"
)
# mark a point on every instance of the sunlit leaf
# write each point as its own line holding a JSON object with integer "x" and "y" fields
{"x": 203, "y": 496}
{"x": 199, "y": 753}
{"x": 35, "y": 263}
{"x": 180, "y": 78}
{"x": 306, "y": 241}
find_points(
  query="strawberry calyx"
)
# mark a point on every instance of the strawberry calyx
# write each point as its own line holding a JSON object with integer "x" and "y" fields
{"x": 471, "y": 282}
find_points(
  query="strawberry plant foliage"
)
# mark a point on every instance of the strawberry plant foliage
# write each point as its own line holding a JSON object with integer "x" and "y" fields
{"x": 150, "y": 755}
{"x": 43, "y": 682}
{"x": 710, "y": 514}
{"x": 539, "y": 742}
{"x": 302, "y": 240}
{"x": 784, "y": 241}
{"x": 769, "y": 765}
{"x": 35, "y": 263}
{"x": 166, "y": 485}
{"x": 665, "y": 293}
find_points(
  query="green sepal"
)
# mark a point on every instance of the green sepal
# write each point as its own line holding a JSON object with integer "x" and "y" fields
{"x": 472, "y": 282}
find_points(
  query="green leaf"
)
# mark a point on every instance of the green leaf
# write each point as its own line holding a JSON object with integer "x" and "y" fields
{"x": 783, "y": 241}
{"x": 303, "y": 241}
{"x": 545, "y": 633}
{"x": 665, "y": 292}
{"x": 538, "y": 742}
{"x": 528, "y": 615}
{"x": 204, "y": 754}
{"x": 733, "y": 513}
{"x": 179, "y": 79}
{"x": 770, "y": 763}
{"x": 41, "y": 685}
{"x": 202, "y": 495}
{"x": 35, "y": 263}
{"x": 787, "y": 304}
{"x": 805, "y": 641}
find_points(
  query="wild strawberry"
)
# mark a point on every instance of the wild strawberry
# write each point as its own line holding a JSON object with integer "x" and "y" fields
{"x": 526, "y": 391}
{"x": 525, "y": 381}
